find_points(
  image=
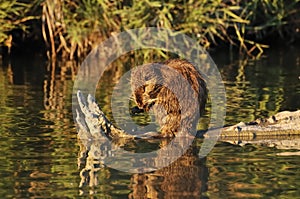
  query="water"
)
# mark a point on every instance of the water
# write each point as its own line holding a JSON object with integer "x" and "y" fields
{"x": 42, "y": 158}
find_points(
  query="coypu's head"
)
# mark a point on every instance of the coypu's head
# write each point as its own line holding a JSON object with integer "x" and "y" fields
{"x": 145, "y": 84}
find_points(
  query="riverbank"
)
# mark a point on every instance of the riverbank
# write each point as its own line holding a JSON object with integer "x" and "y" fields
{"x": 70, "y": 29}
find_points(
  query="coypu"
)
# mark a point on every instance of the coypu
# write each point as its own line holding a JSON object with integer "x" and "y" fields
{"x": 154, "y": 87}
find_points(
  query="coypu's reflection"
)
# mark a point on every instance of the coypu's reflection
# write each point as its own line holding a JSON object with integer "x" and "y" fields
{"x": 184, "y": 178}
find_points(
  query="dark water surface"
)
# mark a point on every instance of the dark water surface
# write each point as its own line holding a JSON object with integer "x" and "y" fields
{"x": 42, "y": 158}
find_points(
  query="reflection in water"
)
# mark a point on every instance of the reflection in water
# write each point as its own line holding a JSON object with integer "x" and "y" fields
{"x": 57, "y": 88}
{"x": 184, "y": 178}
{"x": 252, "y": 172}
{"x": 39, "y": 148}
{"x": 36, "y": 159}
{"x": 260, "y": 88}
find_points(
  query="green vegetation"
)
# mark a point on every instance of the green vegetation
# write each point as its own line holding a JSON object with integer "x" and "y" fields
{"x": 13, "y": 15}
{"x": 71, "y": 27}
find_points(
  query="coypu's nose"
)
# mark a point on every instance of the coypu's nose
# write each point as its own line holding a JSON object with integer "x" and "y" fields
{"x": 135, "y": 110}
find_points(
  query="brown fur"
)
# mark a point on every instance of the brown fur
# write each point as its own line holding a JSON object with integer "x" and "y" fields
{"x": 149, "y": 92}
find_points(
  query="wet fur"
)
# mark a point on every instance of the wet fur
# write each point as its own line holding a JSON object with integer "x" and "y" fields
{"x": 149, "y": 93}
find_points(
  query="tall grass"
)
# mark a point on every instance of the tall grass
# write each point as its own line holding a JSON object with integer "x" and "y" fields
{"x": 210, "y": 22}
{"x": 72, "y": 27}
{"x": 267, "y": 18}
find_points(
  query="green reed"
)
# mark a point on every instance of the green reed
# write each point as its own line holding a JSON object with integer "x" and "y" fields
{"x": 73, "y": 27}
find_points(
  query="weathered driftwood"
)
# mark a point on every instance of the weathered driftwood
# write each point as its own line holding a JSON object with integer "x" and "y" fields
{"x": 281, "y": 131}
{"x": 279, "y": 142}
{"x": 282, "y": 124}
{"x": 93, "y": 124}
